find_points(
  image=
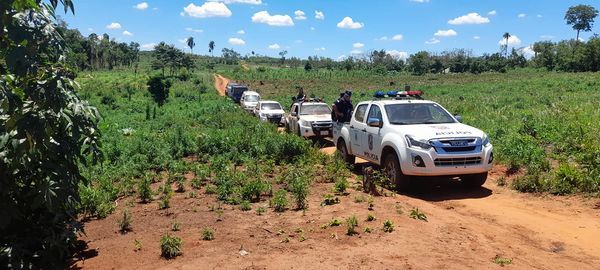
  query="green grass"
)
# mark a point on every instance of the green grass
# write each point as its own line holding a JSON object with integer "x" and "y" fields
{"x": 545, "y": 123}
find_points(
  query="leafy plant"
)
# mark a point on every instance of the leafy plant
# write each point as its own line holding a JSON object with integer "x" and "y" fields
{"x": 208, "y": 234}
{"x": 158, "y": 86}
{"x": 260, "y": 211}
{"x": 499, "y": 260}
{"x": 352, "y": 223}
{"x": 245, "y": 206}
{"x": 144, "y": 190}
{"x": 180, "y": 182}
{"x": 165, "y": 198}
{"x": 137, "y": 245}
{"x": 279, "y": 201}
{"x": 176, "y": 226}
{"x": 388, "y": 226}
{"x": 125, "y": 222}
{"x": 330, "y": 200}
{"x": 340, "y": 186}
{"x": 170, "y": 246}
{"x": 370, "y": 217}
{"x": 416, "y": 214}
{"x": 368, "y": 230}
{"x": 335, "y": 222}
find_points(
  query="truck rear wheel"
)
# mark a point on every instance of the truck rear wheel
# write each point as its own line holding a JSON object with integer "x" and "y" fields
{"x": 474, "y": 180}
{"x": 341, "y": 147}
{"x": 392, "y": 169}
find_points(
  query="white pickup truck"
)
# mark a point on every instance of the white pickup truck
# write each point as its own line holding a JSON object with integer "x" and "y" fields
{"x": 309, "y": 119}
{"x": 408, "y": 137}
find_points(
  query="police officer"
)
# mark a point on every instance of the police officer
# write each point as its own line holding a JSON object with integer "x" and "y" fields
{"x": 342, "y": 107}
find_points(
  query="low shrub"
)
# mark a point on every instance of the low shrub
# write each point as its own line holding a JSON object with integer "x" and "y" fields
{"x": 170, "y": 246}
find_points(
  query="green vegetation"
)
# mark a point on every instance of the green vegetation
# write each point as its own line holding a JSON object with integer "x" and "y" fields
{"x": 208, "y": 234}
{"x": 329, "y": 199}
{"x": 279, "y": 201}
{"x": 170, "y": 246}
{"x": 144, "y": 190}
{"x": 335, "y": 222}
{"x": 176, "y": 226}
{"x": 370, "y": 217}
{"x": 125, "y": 222}
{"x": 416, "y": 214}
{"x": 388, "y": 226}
{"x": 245, "y": 206}
{"x": 352, "y": 223}
{"x": 499, "y": 260}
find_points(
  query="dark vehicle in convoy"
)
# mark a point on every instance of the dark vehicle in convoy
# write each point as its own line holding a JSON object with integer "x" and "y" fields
{"x": 235, "y": 91}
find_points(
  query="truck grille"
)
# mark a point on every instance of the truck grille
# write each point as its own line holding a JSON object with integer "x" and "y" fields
{"x": 457, "y": 145}
{"x": 322, "y": 125}
{"x": 462, "y": 161}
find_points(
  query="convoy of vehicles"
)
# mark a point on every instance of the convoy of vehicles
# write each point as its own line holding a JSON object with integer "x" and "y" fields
{"x": 399, "y": 131}
{"x": 249, "y": 100}
{"x": 269, "y": 111}
{"x": 409, "y": 137}
{"x": 309, "y": 119}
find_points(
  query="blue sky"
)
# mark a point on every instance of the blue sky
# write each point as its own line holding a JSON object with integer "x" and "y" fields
{"x": 345, "y": 27}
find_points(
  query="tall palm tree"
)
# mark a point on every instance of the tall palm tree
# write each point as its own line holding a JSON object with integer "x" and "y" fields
{"x": 506, "y": 36}
{"x": 211, "y": 47}
{"x": 190, "y": 42}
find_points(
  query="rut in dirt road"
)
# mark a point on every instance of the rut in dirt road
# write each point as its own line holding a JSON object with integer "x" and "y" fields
{"x": 220, "y": 84}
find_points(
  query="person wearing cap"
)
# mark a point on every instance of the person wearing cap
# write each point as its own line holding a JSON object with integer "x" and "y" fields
{"x": 342, "y": 107}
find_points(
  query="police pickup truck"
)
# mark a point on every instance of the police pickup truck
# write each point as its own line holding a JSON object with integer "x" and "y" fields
{"x": 309, "y": 118}
{"x": 408, "y": 136}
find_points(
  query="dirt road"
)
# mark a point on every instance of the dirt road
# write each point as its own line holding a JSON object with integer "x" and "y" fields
{"x": 220, "y": 84}
{"x": 466, "y": 228}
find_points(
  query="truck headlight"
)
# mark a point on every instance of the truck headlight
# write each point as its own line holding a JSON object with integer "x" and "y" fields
{"x": 485, "y": 141}
{"x": 262, "y": 115}
{"x": 305, "y": 123}
{"x": 417, "y": 143}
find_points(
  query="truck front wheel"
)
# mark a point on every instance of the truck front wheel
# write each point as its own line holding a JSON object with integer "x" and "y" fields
{"x": 474, "y": 180}
{"x": 341, "y": 147}
{"x": 394, "y": 172}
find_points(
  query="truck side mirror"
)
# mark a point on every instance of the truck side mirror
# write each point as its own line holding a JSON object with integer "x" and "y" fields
{"x": 458, "y": 118}
{"x": 375, "y": 122}
{"x": 293, "y": 114}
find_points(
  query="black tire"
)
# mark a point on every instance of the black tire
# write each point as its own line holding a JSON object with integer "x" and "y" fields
{"x": 474, "y": 180}
{"x": 343, "y": 150}
{"x": 393, "y": 170}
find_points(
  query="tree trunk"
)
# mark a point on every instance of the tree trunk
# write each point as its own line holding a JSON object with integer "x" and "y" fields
{"x": 577, "y": 35}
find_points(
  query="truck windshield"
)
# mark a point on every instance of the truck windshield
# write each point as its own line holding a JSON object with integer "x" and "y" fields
{"x": 420, "y": 113}
{"x": 270, "y": 106}
{"x": 307, "y": 109}
{"x": 252, "y": 98}
{"x": 239, "y": 90}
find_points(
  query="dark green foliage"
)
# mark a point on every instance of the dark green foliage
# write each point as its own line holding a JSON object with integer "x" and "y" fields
{"x": 416, "y": 214}
{"x": 208, "y": 234}
{"x": 388, "y": 226}
{"x": 47, "y": 131}
{"x": 125, "y": 222}
{"x": 581, "y": 17}
{"x": 252, "y": 190}
{"x": 352, "y": 223}
{"x": 298, "y": 184}
{"x": 279, "y": 201}
{"x": 245, "y": 206}
{"x": 159, "y": 86}
{"x": 170, "y": 246}
{"x": 144, "y": 190}
{"x": 165, "y": 198}
{"x": 330, "y": 200}
{"x": 341, "y": 184}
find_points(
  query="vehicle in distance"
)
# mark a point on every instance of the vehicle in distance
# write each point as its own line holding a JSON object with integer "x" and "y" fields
{"x": 249, "y": 100}
{"x": 310, "y": 118}
{"x": 235, "y": 91}
{"x": 269, "y": 111}
{"x": 410, "y": 138}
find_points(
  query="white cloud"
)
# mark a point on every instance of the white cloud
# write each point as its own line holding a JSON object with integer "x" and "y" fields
{"x": 148, "y": 47}
{"x": 492, "y": 13}
{"x": 127, "y": 33}
{"x": 539, "y": 16}
{"x": 312, "y": 28}
{"x": 341, "y": 57}
{"x": 251, "y": 2}
{"x": 512, "y": 41}
{"x": 432, "y": 41}
{"x": 236, "y": 41}
{"x": 141, "y": 6}
{"x": 476, "y": 37}
{"x": 547, "y": 37}
{"x": 208, "y": 9}
{"x": 90, "y": 29}
{"x": 445, "y": 33}
{"x": 355, "y": 52}
{"x": 299, "y": 15}
{"x": 527, "y": 51}
{"x": 397, "y": 37}
{"x": 114, "y": 25}
{"x": 398, "y": 54}
{"x": 274, "y": 46}
{"x": 420, "y": 1}
{"x": 183, "y": 40}
{"x": 189, "y": 29}
{"x": 241, "y": 32}
{"x": 358, "y": 45}
{"x": 383, "y": 38}
{"x": 272, "y": 20}
{"x": 319, "y": 15}
{"x": 322, "y": 49}
{"x": 471, "y": 18}
{"x": 348, "y": 23}
{"x": 522, "y": 15}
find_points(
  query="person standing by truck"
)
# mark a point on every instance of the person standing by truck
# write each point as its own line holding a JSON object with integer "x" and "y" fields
{"x": 342, "y": 107}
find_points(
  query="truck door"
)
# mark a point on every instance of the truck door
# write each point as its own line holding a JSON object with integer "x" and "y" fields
{"x": 358, "y": 129}
{"x": 372, "y": 139}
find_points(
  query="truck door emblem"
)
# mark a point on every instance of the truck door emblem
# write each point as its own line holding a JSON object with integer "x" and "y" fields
{"x": 370, "y": 142}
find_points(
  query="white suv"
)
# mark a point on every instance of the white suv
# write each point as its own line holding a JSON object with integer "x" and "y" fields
{"x": 309, "y": 119}
{"x": 249, "y": 100}
{"x": 269, "y": 111}
{"x": 415, "y": 138}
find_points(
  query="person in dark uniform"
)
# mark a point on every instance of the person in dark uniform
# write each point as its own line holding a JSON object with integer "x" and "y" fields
{"x": 342, "y": 108}
{"x": 301, "y": 96}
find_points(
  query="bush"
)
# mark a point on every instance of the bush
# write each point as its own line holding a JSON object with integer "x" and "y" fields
{"x": 165, "y": 199}
{"x": 245, "y": 206}
{"x": 159, "y": 86}
{"x": 341, "y": 185}
{"x": 279, "y": 201}
{"x": 298, "y": 185}
{"x": 208, "y": 234}
{"x": 352, "y": 223}
{"x": 144, "y": 190}
{"x": 125, "y": 222}
{"x": 252, "y": 190}
{"x": 416, "y": 214}
{"x": 170, "y": 246}
{"x": 388, "y": 226}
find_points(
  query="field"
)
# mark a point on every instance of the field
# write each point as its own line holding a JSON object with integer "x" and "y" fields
{"x": 239, "y": 194}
